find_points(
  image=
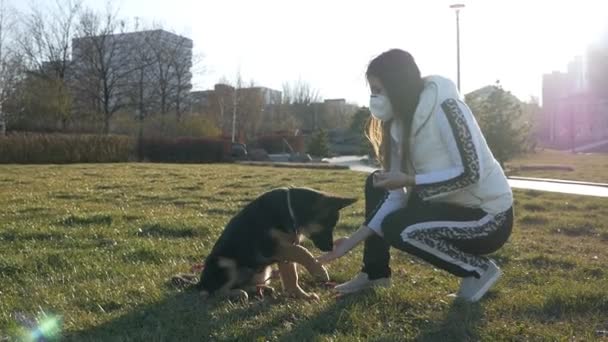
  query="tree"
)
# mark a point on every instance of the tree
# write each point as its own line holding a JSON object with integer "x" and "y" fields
{"x": 358, "y": 127}
{"x": 319, "y": 144}
{"x": 499, "y": 115}
{"x": 39, "y": 104}
{"x": 335, "y": 114}
{"x": 10, "y": 61}
{"x": 45, "y": 43}
{"x": 172, "y": 62}
{"x": 182, "y": 68}
{"x": 532, "y": 114}
{"x": 303, "y": 101}
{"x": 45, "y": 39}
{"x": 278, "y": 118}
{"x": 101, "y": 65}
{"x": 241, "y": 107}
{"x": 251, "y": 110}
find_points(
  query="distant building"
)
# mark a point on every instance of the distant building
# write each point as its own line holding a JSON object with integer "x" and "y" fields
{"x": 254, "y": 106}
{"x": 149, "y": 70}
{"x": 259, "y": 111}
{"x": 574, "y": 113}
{"x": 331, "y": 114}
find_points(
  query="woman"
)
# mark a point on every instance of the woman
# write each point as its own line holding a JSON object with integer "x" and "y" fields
{"x": 441, "y": 195}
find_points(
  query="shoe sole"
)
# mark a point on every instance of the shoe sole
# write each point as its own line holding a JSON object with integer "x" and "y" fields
{"x": 482, "y": 291}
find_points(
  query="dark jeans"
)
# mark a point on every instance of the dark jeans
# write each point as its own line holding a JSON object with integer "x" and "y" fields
{"x": 456, "y": 250}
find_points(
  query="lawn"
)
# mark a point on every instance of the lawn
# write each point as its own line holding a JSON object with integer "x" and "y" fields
{"x": 590, "y": 167}
{"x": 94, "y": 246}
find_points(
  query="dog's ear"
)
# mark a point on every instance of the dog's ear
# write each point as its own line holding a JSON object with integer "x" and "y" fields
{"x": 338, "y": 202}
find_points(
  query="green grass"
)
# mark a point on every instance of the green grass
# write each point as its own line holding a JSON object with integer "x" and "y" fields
{"x": 590, "y": 167}
{"x": 96, "y": 245}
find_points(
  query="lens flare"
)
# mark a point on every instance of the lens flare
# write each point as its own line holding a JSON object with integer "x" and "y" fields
{"x": 47, "y": 328}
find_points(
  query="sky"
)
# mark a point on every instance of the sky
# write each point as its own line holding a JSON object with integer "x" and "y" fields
{"x": 328, "y": 43}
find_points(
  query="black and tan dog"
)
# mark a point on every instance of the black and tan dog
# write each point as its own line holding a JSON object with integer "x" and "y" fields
{"x": 266, "y": 232}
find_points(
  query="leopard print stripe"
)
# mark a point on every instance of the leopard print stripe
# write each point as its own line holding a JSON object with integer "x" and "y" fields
{"x": 468, "y": 154}
{"x": 436, "y": 240}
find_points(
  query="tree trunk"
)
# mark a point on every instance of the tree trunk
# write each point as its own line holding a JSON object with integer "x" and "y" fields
{"x": 106, "y": 125}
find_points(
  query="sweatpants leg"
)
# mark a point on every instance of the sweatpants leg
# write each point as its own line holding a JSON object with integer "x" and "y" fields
{"x": 376, "y": 257}
{"x": 450, "y": 237}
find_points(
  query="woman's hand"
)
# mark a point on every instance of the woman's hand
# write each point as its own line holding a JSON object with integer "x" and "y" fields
{"x": 392, "y": 180}
{"x": 343, "y": 245}
{"x": 337, "y": 252}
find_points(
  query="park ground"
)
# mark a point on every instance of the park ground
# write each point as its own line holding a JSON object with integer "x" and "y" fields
{"x": 93, "y": 246}
{"x": 586, "y": 167}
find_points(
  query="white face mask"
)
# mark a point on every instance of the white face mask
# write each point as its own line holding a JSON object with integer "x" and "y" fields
{"x": 381, "y": 108}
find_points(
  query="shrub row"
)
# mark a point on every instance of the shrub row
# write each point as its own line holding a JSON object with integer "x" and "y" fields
{"x": 28, "y": 148}
{"x": 24, "y": 148}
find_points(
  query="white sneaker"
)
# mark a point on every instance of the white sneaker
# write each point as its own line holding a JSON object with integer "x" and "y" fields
{"x": 472, "y": 289}
{"x": 361, "y": 282}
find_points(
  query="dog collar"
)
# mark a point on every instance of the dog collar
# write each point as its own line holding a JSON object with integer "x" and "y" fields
{"x": 291, "y": 212}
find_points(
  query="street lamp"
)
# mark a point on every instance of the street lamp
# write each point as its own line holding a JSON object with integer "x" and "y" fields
{"x": 234, "y": 102}
{"x": 457, "y": 8}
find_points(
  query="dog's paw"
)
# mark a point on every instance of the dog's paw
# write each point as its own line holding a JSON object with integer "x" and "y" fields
{"x": 301, "y": 294}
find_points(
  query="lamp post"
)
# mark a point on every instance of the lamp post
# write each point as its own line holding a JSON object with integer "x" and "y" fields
{"x": 234, "y": 102}
{"x": 457, "y": 8}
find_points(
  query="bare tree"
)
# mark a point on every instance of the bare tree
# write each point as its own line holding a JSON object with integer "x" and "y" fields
{"x": 10, "y": 61}
{"x": 143, "y": 78}
{"x": 300, "y": 92}
{"x": 301, "y": 99}
{"x": 182, "y": 67}
{"x": 160, "y": 68}
{"x": 140, "y": 92}
{"x": 45, "y": 43}
{"x": 101, "y": 64}
{"x": 251, "y": 110}
{"x": 231, "y": 101}
{"x": 172, "y": 63}
{"x": 46, "y": 37}
{"x": 220, "y": 103}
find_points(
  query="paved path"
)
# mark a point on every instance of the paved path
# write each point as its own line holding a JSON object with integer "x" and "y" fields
{"x": 587, "y": 147}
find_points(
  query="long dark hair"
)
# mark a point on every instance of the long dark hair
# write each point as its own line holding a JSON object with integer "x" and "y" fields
{"x": 400, "y": 76}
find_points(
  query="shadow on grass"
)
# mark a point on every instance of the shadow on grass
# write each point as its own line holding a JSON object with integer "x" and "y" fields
{"x": 186, "y": 317}
{"x": 159, "y": 230}
{"x": 568, "y": 302}
{"x": 86, "y": 220}
{"x": 180, "y": 317}
{"x": 461, "y": 323}
{"x": 327, "y": 322}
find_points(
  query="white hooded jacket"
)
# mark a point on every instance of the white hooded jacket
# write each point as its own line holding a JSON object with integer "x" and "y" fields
{"x": 449, "y": 156}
